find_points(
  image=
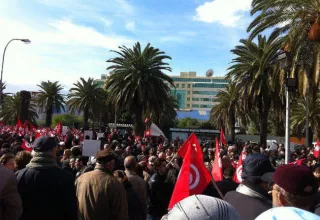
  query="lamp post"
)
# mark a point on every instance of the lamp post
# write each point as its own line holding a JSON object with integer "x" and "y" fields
{"x": 290, "y": 84}
{"x": 26, "y": 41}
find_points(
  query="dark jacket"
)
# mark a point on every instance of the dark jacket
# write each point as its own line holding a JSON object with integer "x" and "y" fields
{"x": 10, "y": 201}
{"x": 227, "y": 185}
{"x": 249, "y": 206}
{"x": 135, "y": 206}
{"x": 160, "y": 195}
{"x": 47, "y": 194}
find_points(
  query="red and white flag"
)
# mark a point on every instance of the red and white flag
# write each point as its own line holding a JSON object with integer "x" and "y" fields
{"x": 193, "y": 141}
{"x": 223, "y": 140}
{"x": 58, "y": 128}
{"x": 25, "y": 127}
{"x": 237, "y": 175}
{"x": 147, "y": 133}
{"x": 217, "y": 164}
{"x": 25, "y": 145}
{"x": 18, "y": 126}
{"x": 316, "y": 151}
{"x": 193, "y": 177}
{"x": 38, "y": 134}
{"x": 298, "y": 162}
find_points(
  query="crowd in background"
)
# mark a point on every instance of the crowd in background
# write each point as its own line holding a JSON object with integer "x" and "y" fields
{"x": 136, "y": 177}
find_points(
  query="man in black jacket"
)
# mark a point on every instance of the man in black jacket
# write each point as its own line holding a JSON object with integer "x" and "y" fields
{"x": 47, "y": 191}
{"x": 251, "y": 198}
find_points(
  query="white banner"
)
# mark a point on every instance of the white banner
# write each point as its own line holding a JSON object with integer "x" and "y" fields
{"x": 90, "y": 148}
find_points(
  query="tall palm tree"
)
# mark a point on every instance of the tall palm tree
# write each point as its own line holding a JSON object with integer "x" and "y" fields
{"x": 50, "y": 98}
{"x": 255, "y": 70}
{"x": 137, "y": 82}
{"x": 224, "y": 114}
{"x": 85, "y": 97}
{"x": 11, "y": 108}
{"x": 298, "y": 116}
{"x": 296, "y": 18}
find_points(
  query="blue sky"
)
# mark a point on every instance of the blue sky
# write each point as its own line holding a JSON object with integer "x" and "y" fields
{"x": 73, "y": 38}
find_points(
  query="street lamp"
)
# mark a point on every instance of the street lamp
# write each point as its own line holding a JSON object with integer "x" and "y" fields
{"x": 290, "y": 84}
{"x": 26, "y": 41}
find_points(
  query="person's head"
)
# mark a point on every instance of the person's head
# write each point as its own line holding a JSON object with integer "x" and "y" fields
{"x": 316, "y": 174}
{"x": 228, "y": 173}
{"x": 162, "y": 155}
{"x": 7, "y": 160}
{"x": 45, "y": 144}
{"x": 22, "y": 159}
{"x": 76, "y": 141}
{"x": 130, "y": 163}
{"x": 106, "y": 158}
{"x": 66, "y": 154}
{"x": 161, "y": 166}
{"x": 202, "y": 207}
{"x": 71, "y": 163}
{"x": 254, "y": 167}
{"x": 80, "y": 162}
{"x": 286, "y": 213}
{"x": 62, "y": 145}
{"x": 294, "y": 186}
{"x": 75, "y": 151}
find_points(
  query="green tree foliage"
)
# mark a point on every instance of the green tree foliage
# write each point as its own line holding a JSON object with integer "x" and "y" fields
{"x": 11, "y": 110}
{"x": 138, "y": 84}
{"x": 50, "y": 97}
{"x": 69, "y": 120}
{"x": 188, "y": 123}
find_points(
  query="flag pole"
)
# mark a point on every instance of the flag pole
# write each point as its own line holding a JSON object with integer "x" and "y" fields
{"x": 216, "y": 187}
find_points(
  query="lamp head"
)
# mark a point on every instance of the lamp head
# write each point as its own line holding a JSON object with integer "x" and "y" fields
{"x": 26, "y": 41}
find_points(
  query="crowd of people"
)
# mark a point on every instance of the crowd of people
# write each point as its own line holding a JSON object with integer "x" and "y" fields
{"x": 133, "y": 178}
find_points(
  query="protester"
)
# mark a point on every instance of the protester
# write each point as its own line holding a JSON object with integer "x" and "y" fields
{"x": 250, "y": 193}
{"x": 138, "y": 183}
{"x": 7, "y": 160}
{"x": 135, "y": 206}
{"x": 80, "y": 166}
{"x": 294, "y": 186}
{"x": 227, "y": 184}
{"x": 10, "y": 201}
{"x": 66, "y": 155}
{"x": 160, "y": 191}
{"x": 200, "y": 207}
{"x": 22, "y": 159}
{"x": 100, "y": 195}
{"x": 43, "y": 184}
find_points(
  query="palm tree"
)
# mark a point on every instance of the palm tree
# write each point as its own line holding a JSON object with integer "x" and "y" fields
{"x": 298, "y": 116}
{"x": 224, "y": 114}
{"x": 50, "y": 98}
{"x": 11, "y": 108}
{"x": 255, "y": 71}
{"x": 298, "y": 19}
{"x": 137, "y": 82}
{"x": 85, "y": 97}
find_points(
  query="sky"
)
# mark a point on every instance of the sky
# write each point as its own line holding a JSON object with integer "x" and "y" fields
{"x": 74, "y": 38}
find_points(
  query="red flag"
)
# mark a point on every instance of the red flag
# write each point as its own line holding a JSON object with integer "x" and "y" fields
{"x": 26, "y": 126}
{"x": 145, "y": 121}
{"x": 58, "y": 128}
{"x": 217, "y": 164}
{"x": 191, "y": 141}
{"x": 193, "y": 177}
{"x": 316, "y": 151}
{"x": 26, "y": 146}
{"x": 298, "y": 162}
{"x": 147, "y": 133}
{"x": 18, "y": 125}
{"x": 32, "y": 128}
{"x": 222, "y": 137}
{"x": 237, "y": 175}
{"x": 37, "y": 135}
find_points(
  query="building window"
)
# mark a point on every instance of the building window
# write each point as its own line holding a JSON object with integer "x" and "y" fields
{"x": 206, "y": 106}
{"x": 183, "y": 86}
{"x": 188, "y": 105}
{"x": 195, "y": 99}
{"x": 188, "y": 86}
{"x": 195, "y": 106}
{"x": 188, "y": 92}
{"x": 188, "y": 99}
{"x": 205, "y": 92}
{"x": 178, "y": 85}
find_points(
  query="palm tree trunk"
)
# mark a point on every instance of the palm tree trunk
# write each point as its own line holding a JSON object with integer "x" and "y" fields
{"x": 49, "y": 114}
{"x": 263, "y": 111}
{"x": 86, "y": 118}
{"x": 232, "y": 126}
{"x": 138, "y": 124}
{"x": 25, "y": 98}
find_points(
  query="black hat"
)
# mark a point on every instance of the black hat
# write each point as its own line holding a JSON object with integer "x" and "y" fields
{"x": 255, "y": 166}
{"x": 44, "y": 143}
{"x": 105, "y": 155}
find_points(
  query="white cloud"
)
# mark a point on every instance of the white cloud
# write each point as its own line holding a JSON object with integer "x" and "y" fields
{"x": 225, "y": 12}
{"x": 175, "y": 39}
{"x": 130, "y": 26}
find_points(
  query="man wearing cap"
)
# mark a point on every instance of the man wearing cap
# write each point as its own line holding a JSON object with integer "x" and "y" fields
{"x": 251, "y": 198}
{"x": 47, "y": 191}
{"x": 294, "y": 186}
{"x": 100, "y": 195}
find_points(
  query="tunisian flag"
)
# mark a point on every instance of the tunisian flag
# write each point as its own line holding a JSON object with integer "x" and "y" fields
{"x": 237, "y": 175}
{"x": 298, "y": 162}
{"x": 222, "y": 137}
{"x": 217, "y": 164}
{"x": 191, "y": 141}
{"x": 18, "y": 126}
{"x": 316, "y": 151}
{"x": 58, "y": 128}
{"x": 26, "y": 146}
{"x": 193, "y": 177}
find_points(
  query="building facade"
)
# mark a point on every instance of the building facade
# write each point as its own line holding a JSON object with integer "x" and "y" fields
{"x": 196, "y": 93}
